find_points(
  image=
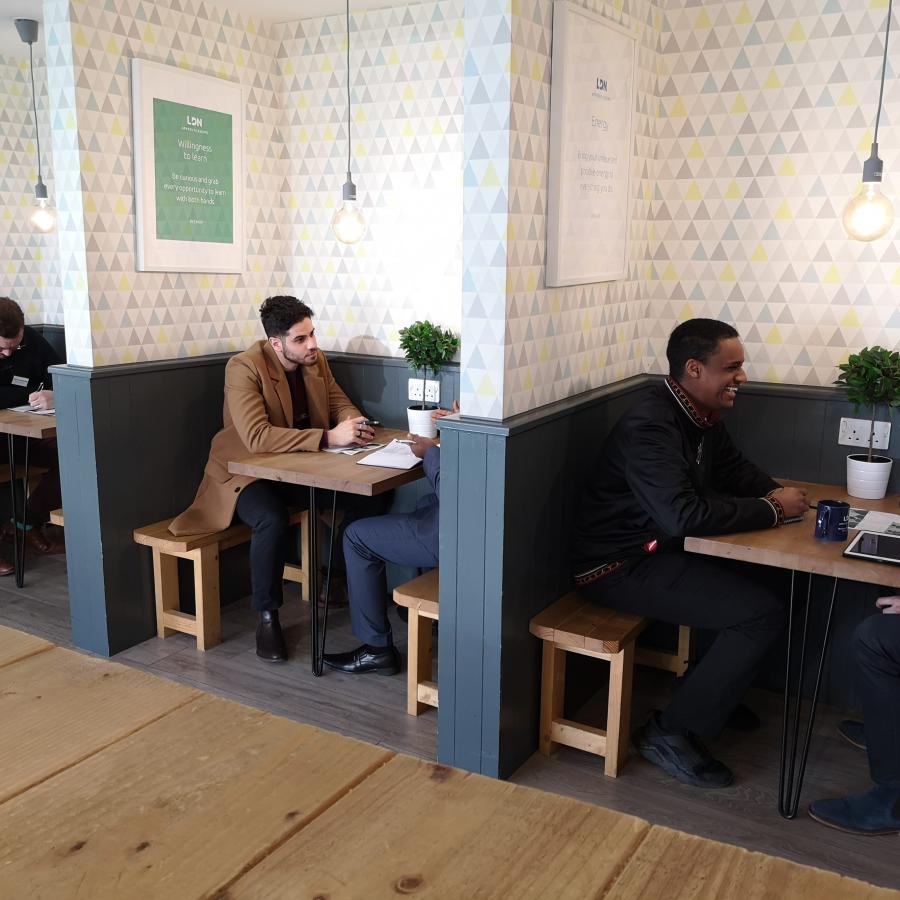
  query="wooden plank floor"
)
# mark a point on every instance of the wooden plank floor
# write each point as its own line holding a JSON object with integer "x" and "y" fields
{"x": 214, "y": 799}
{"x": 372, "y": 709}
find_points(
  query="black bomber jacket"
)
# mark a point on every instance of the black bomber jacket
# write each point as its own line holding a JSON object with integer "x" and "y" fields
{"x": 662, "y": 474}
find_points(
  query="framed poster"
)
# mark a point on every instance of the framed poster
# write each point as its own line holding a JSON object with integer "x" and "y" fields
{"x": 591, "y": 108}
{"x": 188, "y": 170}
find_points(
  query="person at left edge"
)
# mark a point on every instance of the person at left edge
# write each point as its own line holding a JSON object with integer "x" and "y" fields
{"x": 25, "y": 356}
{"x": 280, "y": 397}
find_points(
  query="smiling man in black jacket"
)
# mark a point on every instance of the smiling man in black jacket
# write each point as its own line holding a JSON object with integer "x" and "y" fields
{"x": 669, "y": 470}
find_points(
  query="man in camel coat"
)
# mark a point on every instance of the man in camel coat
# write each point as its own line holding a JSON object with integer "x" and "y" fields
{"x": 280, "y": 397}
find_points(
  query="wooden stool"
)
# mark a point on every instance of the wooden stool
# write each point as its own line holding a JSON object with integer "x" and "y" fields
{"x": 420, "y": 597}
{"x": 575, "y": 625}
{"x": 56, "y": 517}
{"x": 203, "y": 551}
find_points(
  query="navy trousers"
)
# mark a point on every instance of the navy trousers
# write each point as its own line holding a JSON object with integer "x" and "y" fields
{"x": 368, "y": 545}
{"x": 876, "y": 646}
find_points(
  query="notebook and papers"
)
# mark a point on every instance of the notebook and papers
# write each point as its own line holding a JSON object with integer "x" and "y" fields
{"x": 396, "y": 455}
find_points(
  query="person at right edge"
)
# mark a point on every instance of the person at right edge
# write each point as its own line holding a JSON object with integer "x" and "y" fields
{"x": 668, "y": 470}
{"x": 876, "y": 649}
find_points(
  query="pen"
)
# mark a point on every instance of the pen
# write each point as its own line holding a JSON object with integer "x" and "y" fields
{"x": 40, "y": 387}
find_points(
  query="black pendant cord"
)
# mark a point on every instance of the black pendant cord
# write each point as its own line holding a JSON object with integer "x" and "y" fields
{"x": 348, "y": 90}
{"x": 887, "y": 35}
{"x": 37, "y": 133}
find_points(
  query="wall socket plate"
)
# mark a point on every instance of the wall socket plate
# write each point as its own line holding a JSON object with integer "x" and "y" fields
{"x": 432, "y": 390}
{"x": 855, "y": 433}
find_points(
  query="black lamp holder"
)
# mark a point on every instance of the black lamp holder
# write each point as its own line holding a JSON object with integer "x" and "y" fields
{"x": 349, "y": 187}
{"x": 872, "y": 167}
{"x": 28, "y": 32}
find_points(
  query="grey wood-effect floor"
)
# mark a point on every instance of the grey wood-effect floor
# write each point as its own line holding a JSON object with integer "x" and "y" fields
{"x": 372, "y": 708}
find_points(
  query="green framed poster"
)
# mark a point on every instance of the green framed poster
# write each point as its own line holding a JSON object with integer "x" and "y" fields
{"x": 188, "y": 167}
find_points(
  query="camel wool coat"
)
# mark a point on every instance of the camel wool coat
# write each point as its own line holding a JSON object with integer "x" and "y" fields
{"x": 258, "y": 418}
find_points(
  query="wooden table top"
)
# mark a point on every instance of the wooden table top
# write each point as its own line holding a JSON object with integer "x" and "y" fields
{"x": 794, "y": 546}
{"x": 331, "y": 471}
{"x": 321, "y": 815}
{"x": 26, "y": 424}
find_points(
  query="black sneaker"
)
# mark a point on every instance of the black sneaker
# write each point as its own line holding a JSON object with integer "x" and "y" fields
{"x": 853, "y": 732}
{"x": 682, "y": 756}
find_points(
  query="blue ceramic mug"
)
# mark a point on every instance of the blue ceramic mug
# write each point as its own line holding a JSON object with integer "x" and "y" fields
{"x": 832, "y": 517}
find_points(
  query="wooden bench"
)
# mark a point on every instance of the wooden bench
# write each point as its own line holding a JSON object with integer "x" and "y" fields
{"x": 56, "y": 517}
{"x": 420, "y": 597}
{"x": 203, "y": 550}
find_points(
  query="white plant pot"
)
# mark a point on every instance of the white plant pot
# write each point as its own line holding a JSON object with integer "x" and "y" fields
{"x": 868, "y": 480}
{"x": 420, "y": 421}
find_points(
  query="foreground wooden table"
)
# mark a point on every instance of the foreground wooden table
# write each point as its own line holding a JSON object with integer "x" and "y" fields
{"x": 115, "y": 784}
{"x": 25, "y": 425}
{"x": 332, "y": 472}
{"x": 795, "y": 548}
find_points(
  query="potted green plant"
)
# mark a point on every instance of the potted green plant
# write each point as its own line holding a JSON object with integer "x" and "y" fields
{"x": 427, "y": 347}
{"x": 872, "y": 379}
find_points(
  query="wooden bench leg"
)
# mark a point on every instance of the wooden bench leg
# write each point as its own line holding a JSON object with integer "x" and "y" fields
{"x": 419, "y": 661}
{"x": 165, "y": 588}
{"x": 206, "y": 596}
{"x": 618, "y": 716}
{"x": 553, "y": 689}
{"x": 685, "y": 648}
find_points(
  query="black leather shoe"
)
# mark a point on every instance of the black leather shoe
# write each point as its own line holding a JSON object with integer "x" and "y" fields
{"x": 682, "y": 756}
{"x": 875, "y": 812}
{"x": 365, "y": 658}
{"x": 269, "y": 639}
{"x": 852, "y": 732}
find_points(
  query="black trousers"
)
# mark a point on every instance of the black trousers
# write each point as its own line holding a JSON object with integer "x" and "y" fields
{"x": 876, "y": 646}
{"x": 684, "y": 589}
{"x": 263, "y": 505}
{"x": 47, "y": 494}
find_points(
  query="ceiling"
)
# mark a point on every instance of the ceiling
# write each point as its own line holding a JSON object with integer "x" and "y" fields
{"x": 271, "y": 10}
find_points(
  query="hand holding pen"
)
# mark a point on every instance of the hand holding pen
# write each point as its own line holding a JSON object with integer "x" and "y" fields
{"x": 41, "y": 399}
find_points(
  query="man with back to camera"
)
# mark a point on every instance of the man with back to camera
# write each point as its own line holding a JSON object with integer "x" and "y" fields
{"x": 667, "y": 470}
{"x": 25, "y": 356}
{"x": 405, "y": 539}
{"x": 876, "y": 648}
{"x": 280, "y": 397}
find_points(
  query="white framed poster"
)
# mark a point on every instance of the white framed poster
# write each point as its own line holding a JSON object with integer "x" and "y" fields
{"x": 591, "y": 109}
{"x": 188, "y": 170}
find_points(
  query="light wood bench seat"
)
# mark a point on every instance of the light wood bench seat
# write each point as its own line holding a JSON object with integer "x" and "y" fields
{"x": 56, "y": 517}
{"x": 203, "y": 550}
{"x": 420, "y": 597}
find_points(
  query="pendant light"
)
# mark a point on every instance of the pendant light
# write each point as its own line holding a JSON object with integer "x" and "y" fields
{"x": 348, "y": 224}
{"x": 43, "y": 215}
{"x": 870, "y": 214}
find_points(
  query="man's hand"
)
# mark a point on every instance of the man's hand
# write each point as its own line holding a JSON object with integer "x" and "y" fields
{"x": 793, "y": 501}
{"x": 440, "y": 413}
{"x": 41, "y": 400}
{"x": 420, "y": 445}
{"x": 349, "y": 432}
{"x": 889, "y": 605}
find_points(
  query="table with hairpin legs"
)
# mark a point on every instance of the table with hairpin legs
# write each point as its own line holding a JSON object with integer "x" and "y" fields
{"x": 25, "y": 425}
{"x": 334, "y": 472}
{"x": 794, "y": 547}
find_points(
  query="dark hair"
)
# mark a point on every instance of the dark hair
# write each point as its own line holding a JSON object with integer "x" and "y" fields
{"x": 280, "y": 314}
{"x": 695, "y": 339}
{"x": 12, "y": 321}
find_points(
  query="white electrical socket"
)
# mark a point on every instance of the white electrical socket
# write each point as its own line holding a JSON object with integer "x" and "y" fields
{"x": 855, "y": 433}
{"x": 432, "y": 390}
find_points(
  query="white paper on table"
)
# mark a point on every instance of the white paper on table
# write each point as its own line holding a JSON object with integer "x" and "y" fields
{"x": 396, "y": 455}
{"x": 883, "y": 523}
{"x": 32, "y": 410}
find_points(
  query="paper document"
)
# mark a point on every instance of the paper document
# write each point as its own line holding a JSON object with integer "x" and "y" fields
{"x": 29, "y": 409}
{"x": 396, "y": 455}
{"x": 869, "y": 520}
{"x": 352, "y": 449}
